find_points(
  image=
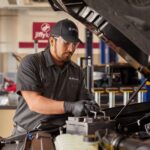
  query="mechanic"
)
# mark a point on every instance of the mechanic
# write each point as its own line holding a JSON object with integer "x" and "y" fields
{"x": 50, "y": 85}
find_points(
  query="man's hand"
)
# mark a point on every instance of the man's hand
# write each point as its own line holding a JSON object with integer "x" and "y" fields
{"x": 80, "y": 108}
{"x": 92, "y": 106}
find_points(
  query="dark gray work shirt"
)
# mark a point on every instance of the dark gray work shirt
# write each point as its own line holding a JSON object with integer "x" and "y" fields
{"x": 38, "y": 72}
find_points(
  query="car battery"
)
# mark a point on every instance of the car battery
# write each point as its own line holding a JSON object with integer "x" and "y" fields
{"x": 88, "y": 125}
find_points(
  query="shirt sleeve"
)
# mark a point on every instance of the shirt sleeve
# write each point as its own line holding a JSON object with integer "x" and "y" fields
{"x": 28, "y": 78}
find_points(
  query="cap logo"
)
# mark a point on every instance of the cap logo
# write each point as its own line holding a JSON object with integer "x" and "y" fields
{"x": 72, "y": 29}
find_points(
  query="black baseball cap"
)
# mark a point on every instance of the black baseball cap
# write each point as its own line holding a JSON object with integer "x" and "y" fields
{"x": 67, "y": 30}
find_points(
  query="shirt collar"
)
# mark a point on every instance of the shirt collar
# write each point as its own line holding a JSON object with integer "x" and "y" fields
{"x": 48, "y": 58}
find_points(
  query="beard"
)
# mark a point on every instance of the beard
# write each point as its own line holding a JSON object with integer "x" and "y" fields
{"x": 67, "y": 56}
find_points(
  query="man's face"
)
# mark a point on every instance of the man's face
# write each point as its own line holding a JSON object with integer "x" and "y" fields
{"x": 62, "y": 50}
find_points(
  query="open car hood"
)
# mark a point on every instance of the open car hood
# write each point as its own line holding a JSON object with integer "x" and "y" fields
{"x": 123, "y": 24}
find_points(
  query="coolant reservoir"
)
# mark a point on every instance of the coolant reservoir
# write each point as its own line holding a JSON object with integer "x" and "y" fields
{"x": 90, "y": 142}
{"x": 75, "y": 142}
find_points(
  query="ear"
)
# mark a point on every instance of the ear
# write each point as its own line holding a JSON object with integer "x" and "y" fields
{"x": 51, "y": 41}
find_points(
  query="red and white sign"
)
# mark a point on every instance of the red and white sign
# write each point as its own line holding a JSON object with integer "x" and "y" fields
{"x": 41, "y": 30}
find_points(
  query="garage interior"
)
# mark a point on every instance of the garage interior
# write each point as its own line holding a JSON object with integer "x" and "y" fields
{"x": 114, "y": 57}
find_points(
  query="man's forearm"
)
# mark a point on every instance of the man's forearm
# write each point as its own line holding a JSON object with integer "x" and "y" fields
{"x": 48, "y": 106}
{"x": 43, "y": 105}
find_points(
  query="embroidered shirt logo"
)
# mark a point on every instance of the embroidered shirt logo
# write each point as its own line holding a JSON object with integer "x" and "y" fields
{"x": 73, "y": 78}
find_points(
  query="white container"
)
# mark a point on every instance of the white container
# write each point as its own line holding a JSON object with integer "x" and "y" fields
{"x": 74, "y": 142}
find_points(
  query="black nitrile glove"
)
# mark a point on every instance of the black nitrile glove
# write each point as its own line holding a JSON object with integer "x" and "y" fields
{"x": 76, "y": 108}
{"x": 80, "y": 108}
{"x": 93, "y": 106}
